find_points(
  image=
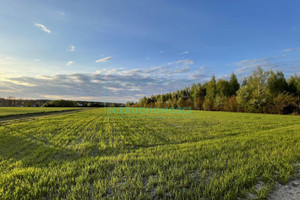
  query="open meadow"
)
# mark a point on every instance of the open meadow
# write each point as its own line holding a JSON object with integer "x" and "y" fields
{"x": 96, "y": 155}
{"x": 7, "y": 111}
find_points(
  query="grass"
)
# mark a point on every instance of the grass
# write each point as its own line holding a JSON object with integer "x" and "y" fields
{"x": 85, "y": 155}
{"x": 6, "y": 111}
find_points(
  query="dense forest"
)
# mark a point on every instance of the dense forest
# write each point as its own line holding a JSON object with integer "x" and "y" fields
{"x": 261, "y": 92}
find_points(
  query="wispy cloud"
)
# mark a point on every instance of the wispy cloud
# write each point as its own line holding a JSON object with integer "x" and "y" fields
{"x": 68, "y": 97}
{"x": 70, "y": 63}
{"x": 275, "y": 63}
{"x": 199, "y": 74}
{"x": 185, "y": 62}
{"x": 179, "y": 67}
{"x": 43, "y": 28}
{"x": 114, "y": 84}
{"x": 291, "y": 49}
{"x": 184, "y": 52}
{"x": 109, "y": 86}
{"x": 72, "y": 48}
{"x": 247, "y": 66}
{"x": 103, "y": 59}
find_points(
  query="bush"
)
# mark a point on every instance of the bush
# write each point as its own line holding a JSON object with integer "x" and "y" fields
{"x": 231, "y": 105}
{"x": 220, "y": 102}
{"x": 208, "y": 105}
{"x": 283, "y": 104}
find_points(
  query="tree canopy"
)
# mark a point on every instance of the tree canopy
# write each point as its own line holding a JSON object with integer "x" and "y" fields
{"x": 261, "y": 92}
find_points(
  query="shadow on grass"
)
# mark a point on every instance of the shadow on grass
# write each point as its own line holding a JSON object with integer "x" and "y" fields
{"x": 29, "y": 115}
{"x": 33, "y": 152}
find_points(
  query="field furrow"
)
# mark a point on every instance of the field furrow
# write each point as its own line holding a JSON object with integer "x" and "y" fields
{"x": 93, "y": 155}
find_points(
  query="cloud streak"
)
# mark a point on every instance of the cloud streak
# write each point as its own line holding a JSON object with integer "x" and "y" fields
{"x": 184, "y": 52}
{"x": 104, "y": 59}
{"x": 43, "y": 27}
{"x": 199, "y": 74}
{"x": 270, "y": 63}
{"x": 70, "y": 63}
{"x": 291, "y": 49}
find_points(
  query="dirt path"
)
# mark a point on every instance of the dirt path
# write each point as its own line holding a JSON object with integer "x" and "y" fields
{"x": 289, "y": 191}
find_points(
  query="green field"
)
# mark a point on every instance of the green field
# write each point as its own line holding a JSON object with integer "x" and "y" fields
{"x": 88, "y": 155}
{"x": 5, "y": 111}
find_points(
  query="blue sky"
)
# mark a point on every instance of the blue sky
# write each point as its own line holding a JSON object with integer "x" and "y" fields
{"x": 70, "y": 49}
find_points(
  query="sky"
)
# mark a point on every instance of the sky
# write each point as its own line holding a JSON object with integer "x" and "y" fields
{"x": 118, "y": 51}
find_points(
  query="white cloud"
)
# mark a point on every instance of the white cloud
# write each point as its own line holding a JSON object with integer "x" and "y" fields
{"x": 183, "y": 69}
{"x": 36, "y": 60}
{"x": 111, "y": 71}
{"x": 185, "y": 62}
{"x": 69, "y": 97}
{"x": 71, "y": 48}
{"x": 22, "y": 83}
{"x": 43, "y": 28}
{"x": 275, "y": 63}
{"x": 247, "y": 66}
{"x": 70, "y": 63}
{"x": 111, "y": 84}
{"x": 184, "y": 52}
{"x": 291, "y": 49}
{"x": 199, "y": 74}
{"x": 104, "y": 59}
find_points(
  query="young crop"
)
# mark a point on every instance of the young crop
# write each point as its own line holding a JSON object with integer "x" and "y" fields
{"x": 92, "y": 155}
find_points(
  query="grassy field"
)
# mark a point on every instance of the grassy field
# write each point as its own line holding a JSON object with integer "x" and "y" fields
{"x": 5, "y": 111}
{"x": 88, "y": 155}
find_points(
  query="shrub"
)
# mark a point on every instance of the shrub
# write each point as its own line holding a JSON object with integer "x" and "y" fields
{"x": 208, "y": 105}
{"x": 231, "y": 105}
{"x": 283, "y": 104}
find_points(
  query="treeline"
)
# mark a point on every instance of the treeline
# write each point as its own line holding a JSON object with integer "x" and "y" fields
{"x": 14, "y": 102}
{"x": 261, "y": 92}
{"x": 61, "y": 103}
{"x": 18, "y": 102}
{"x": 70, "y": 103}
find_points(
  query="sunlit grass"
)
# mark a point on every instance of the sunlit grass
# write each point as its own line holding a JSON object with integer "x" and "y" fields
{"x": 85, "y": 155}
{"x": 4, "y": 111}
